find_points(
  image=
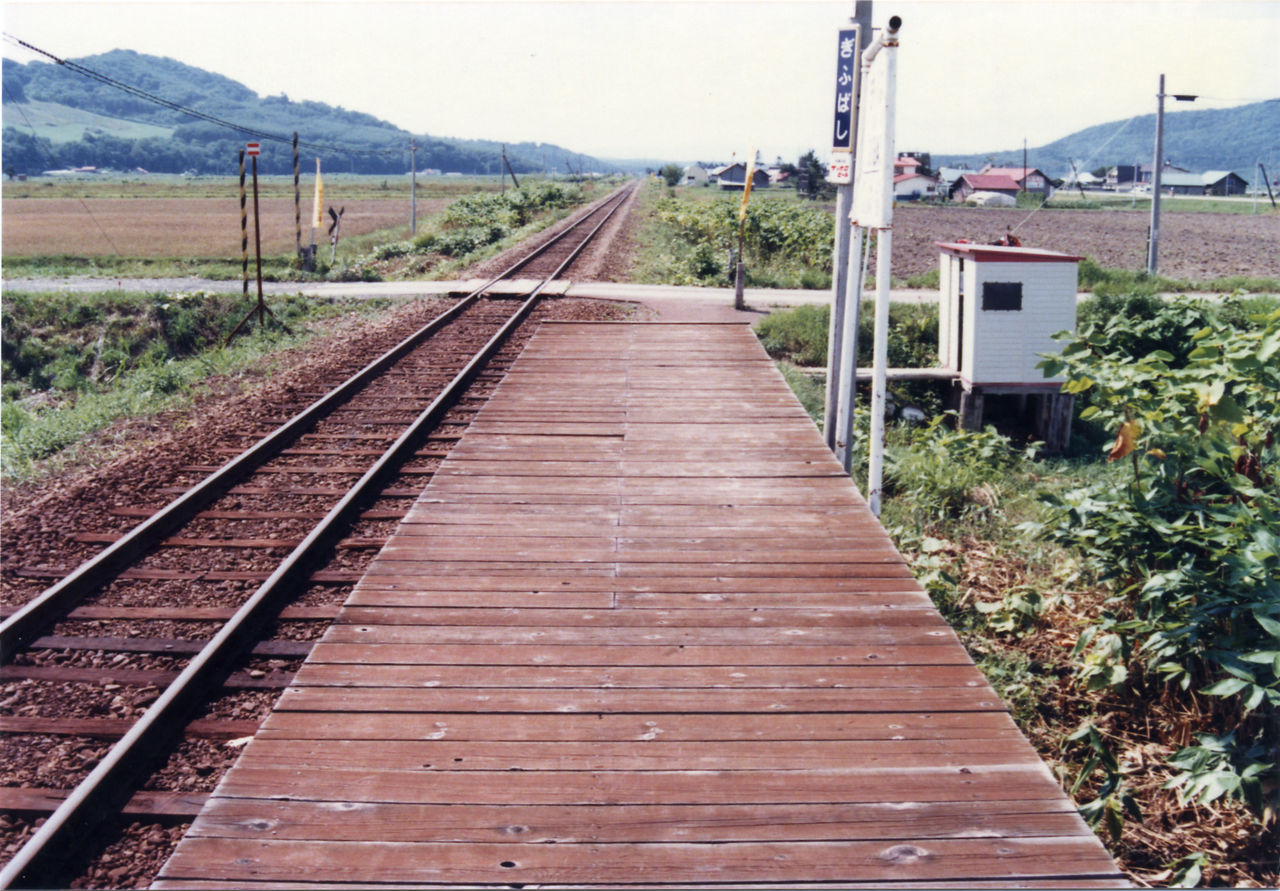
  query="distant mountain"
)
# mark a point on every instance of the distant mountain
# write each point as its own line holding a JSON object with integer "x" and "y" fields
{"x": 78, "y": 121}
{"x": 1207, "y": 139}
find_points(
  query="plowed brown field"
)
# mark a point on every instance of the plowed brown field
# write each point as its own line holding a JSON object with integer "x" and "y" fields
{"x": 179, "y": 227}
{"x": 1194, "y": 246}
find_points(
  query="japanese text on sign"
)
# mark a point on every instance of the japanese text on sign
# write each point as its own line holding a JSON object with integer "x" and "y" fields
{"x": 846, "y": 93}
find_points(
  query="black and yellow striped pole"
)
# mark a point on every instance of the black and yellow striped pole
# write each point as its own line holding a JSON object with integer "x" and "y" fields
{"x": 261, "y": 310}
{"x": 244, "y": 232}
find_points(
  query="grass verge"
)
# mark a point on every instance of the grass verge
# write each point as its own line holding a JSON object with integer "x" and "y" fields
{"x": 75, "y": 363}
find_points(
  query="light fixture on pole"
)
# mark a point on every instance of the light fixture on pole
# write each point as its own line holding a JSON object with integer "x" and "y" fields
{"x": 1153, "y": 239}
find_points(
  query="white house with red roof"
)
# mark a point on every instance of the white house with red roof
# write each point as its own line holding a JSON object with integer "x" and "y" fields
{"x": 1029, "y": 179}
{"x": 969, "y": 183}
{"x": 910, "y": 182}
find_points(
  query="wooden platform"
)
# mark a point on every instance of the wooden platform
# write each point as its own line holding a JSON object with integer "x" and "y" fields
{"x": 639, "y": 629}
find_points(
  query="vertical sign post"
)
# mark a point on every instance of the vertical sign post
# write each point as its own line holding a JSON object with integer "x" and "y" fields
{"x": 873, "y": 209}
{"x": 840, "y": 172}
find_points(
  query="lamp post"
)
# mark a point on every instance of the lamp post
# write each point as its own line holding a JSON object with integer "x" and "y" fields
{"x": 1153, "y": 239}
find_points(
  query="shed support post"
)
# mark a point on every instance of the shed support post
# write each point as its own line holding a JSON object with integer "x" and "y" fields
{"x": 971, "y": 404}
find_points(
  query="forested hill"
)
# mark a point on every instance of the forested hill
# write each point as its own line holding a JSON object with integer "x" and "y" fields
{"x": 79, "y": 121}
{"x": 1197, "y": 140}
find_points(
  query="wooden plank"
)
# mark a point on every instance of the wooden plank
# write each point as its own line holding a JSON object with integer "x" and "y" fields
{"x": 42, "y": 802}
{"x": 636, "y": 702}
{"x": 753, "y": 676}
{"x": 644, "y": 863}
{"x": 726, "y": 617}
{"x": 565, "y": 824}
{"x": 924, "y": 634}
{"x": 1036, "y": 881}
{"x": 114, "y": 728}
{"x": 358, "y": 784}
{"x": 172, "y": 646}
{"x": 692, "y": 655}
{"x": 374, "y": 594}
{"x": 666, "y": 726}
{"x": 237, "y": 680}
{"x": 445, "y": 756}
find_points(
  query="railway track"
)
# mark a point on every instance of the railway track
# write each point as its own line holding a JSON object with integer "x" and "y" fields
{"x": 139, "y": 674}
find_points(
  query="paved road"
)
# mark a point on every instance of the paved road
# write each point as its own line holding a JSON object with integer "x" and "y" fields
{"x": 757, "y": 297}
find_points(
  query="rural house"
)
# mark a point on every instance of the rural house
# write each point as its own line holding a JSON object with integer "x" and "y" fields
{"x": 969, "y": 183}
{"x": 1029, "y": 179}
{"x": 694, "y": 176}
{"x": 914, "y": 187}
{"x": 734, "y": 176}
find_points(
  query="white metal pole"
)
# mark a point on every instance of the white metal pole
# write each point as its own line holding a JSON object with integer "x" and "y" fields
{"x": 848, "y": 335}
{"x": 880, "y": 364}
{"x": 839, "y": 294}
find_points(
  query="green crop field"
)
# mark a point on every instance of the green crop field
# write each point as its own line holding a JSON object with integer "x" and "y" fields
{"x": 62, "y": 123}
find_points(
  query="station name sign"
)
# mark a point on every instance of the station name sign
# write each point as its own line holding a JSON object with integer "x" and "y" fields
{"x": 840, "y": 169}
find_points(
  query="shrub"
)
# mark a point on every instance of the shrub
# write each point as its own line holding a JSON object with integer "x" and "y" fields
{"x": 1189, "y": 535}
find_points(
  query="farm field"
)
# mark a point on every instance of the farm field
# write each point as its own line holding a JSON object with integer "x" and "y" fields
{"x": 1193, "y": 246}
{"x": 182, "y": 227}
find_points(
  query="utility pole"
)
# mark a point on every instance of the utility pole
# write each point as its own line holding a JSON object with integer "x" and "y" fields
{"x": 1024, "y": 164}
{"x": 1153, "y": 241}
{"x": 413, "y": 188}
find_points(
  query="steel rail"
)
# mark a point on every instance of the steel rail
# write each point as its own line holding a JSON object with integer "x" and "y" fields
{"x": 26, "y": 623}
{"x": 107, "y": 787}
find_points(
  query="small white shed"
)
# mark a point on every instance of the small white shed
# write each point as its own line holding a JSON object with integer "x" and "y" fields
{"x": 998, "y": 310}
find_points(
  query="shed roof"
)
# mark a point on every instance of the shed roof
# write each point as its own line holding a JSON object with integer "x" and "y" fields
{"x": 990, "y": 183}
{"x": 1013, "y": 172}
{"x": 903, "y": 177}
{"x": 998, "y": 253}
{"x": 1182, "y": 179}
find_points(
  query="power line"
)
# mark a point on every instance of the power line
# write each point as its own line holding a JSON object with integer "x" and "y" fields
{"x": 36, "y": 142}
{"x": 204, "y": 116}
{"x": 1084, "y": 165}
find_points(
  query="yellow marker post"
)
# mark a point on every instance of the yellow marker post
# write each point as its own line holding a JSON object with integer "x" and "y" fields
{"x": 316, "y": 209}
{"x": 740, "y": 274}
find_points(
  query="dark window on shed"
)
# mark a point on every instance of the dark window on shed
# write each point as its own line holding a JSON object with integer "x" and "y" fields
{"x": 1002, "y": 295}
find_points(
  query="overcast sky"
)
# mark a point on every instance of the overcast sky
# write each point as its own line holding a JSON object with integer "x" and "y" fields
{"x": 694, "y": 80}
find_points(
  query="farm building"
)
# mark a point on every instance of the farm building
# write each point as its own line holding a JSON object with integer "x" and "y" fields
{"x": 734, "y": 176}
{"x": 1211, "y": 182}
{"x": 998, "y": 310}
{"x": 1144, "y": 171}
{"x": 1029, "y": 179}
{"x": 969, "y": 183}
{"x": 695, "y": 176}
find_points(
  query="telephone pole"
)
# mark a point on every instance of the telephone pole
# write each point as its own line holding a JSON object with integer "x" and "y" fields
{"x": 1153, "y": 240}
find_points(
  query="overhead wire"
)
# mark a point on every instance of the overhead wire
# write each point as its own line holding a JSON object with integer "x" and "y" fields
{"x": 53, "y": 163}
{"x": 1084, "y": 165}
{"x": 192, "y": 112}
